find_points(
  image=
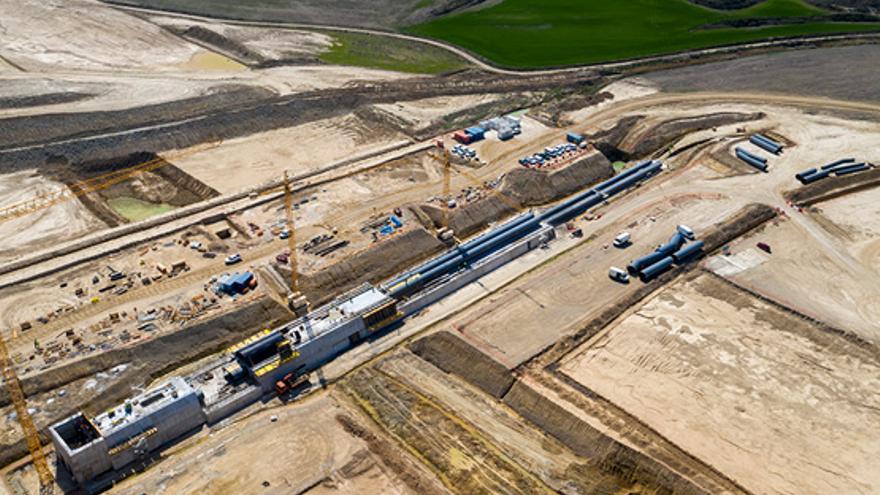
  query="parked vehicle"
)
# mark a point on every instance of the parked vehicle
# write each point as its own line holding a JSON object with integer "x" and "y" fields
{"x": 618, "y": 275}
{"x": 686, "y": 231}
{"x": 233, "y": 259}
{"x": 622, "y": 240}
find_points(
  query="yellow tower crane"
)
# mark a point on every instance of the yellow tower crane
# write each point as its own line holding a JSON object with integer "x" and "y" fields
{"x": 296, "y": 300}
{"x": 16, "y": 394}
{"x": 445, "y": 233}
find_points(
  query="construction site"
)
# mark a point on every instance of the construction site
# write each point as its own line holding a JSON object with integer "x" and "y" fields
{"x": 231, "y": 267}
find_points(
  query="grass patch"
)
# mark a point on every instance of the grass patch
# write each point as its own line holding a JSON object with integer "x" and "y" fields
{"x": 529, "y": 34}
{"x": 382, "y": 52}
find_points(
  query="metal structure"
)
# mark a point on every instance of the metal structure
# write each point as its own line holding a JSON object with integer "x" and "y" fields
{"x": 295, "y": 300}
{"x": 16, "y": 395}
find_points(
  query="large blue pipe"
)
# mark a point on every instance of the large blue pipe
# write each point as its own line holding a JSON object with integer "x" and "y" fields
{"x": 608, "y": 188}
{"x": 801, "y": 175}
{"x": 688, "y": 251}
{"x": 740, "y": 152}
{"x": 767, "y": 140}
{"x": 674, "y": 243}
{"x": 637, "y": 265}
{"x": 838, "y": 163}
{"x": 454, "y": 252}
{"x": 766, "y": 145}
{"x": 851, "y": 169}
{"x": 621, "y": 176}
{"x": 751, "y": 160}
{"x": 656, "y": 269}
{"x": 814, "y": 177}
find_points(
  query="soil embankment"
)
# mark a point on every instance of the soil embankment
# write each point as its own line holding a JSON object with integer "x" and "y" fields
{"x": 665, "y": 133}
{"x": 453, "y": 355}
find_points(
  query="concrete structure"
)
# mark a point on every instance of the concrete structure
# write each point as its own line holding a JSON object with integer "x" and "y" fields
{"x": 128, "y": 432}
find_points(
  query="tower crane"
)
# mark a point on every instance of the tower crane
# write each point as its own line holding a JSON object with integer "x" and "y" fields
{"x": 16, "y": 394}
{"x": 295, "y": 300}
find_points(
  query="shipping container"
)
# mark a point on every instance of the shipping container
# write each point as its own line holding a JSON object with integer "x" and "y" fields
{"x": 574, "y": 138}
{"x": 462, "y": 137}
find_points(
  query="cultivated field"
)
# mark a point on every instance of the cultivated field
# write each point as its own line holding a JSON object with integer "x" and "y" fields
{"x": 521, "y": 33}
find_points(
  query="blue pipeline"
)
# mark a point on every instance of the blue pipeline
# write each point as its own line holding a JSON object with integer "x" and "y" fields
{"x": 772, "y": 148}
{"x": 687, "y": 251}
{"x": 740, "y": 152}
{"x": 674, "y": 243}
{"x": 850, "y": 169}
{"x": 762, "y": 166}
{"x": 656, "y": 269}
{"x": 768, "y": 140}
{"x": 456, "y": 251}
{"x": 607, "y": 188}
{"x": 801, "y": 175}
{"x": 838, "y": 163}
{"x": 637, "y": 265}
{"x": 814, "y": 177}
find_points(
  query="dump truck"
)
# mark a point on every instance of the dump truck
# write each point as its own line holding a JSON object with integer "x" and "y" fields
{"x": 290, "y": 382}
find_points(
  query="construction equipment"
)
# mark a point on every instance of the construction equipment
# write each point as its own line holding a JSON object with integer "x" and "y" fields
{"x": 295, "y": 300}
{"x": 444, "y": 233}
{"x": 13, "y": 386}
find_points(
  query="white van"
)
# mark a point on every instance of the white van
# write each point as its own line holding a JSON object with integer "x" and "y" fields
{"x": 618, "y": 275}
{"x": 685, "y": 231}
{"x": 622, "y": 240}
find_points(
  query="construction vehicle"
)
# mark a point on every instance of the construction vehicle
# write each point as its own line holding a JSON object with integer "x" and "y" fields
{"x": 16, "y": 395}
{"x": 295, "y": 300}
{"x": 291, "y": 381}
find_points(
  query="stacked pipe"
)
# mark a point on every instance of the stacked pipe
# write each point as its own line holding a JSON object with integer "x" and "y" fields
{"x": 838, "y": 168}
{"x": 766, "y": 143}
{"x": 518, "y": 228}
{"x": 753, "y": 160}
{"x": 674, "y": 251}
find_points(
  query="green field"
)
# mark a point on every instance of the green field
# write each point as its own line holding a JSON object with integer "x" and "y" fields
{"x": 381, "y": 52}
{"x": 531, "y": 34}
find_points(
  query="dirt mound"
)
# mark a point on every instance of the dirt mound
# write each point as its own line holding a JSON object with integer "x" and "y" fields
{"x": 666, "y": 133}
{"x": 471, "y": 218}
{"x": 610, "y": 455}
{"x": 608, "y": 141}
{"x": 532, "y": 187}
{"x": 453, "y": 355}
{"x": 371, "y": 265}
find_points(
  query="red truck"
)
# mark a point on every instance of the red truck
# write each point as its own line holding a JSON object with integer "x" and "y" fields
{"x": 290, "y": 382}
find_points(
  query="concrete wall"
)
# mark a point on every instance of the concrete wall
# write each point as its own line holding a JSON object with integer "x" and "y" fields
{"x": 231, "y": 405}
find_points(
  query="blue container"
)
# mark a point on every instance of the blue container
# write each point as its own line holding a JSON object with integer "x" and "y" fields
{"x": 476, "y": 133}
{"x": 395, "y": 221}
{"x": 574, "y": 138}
